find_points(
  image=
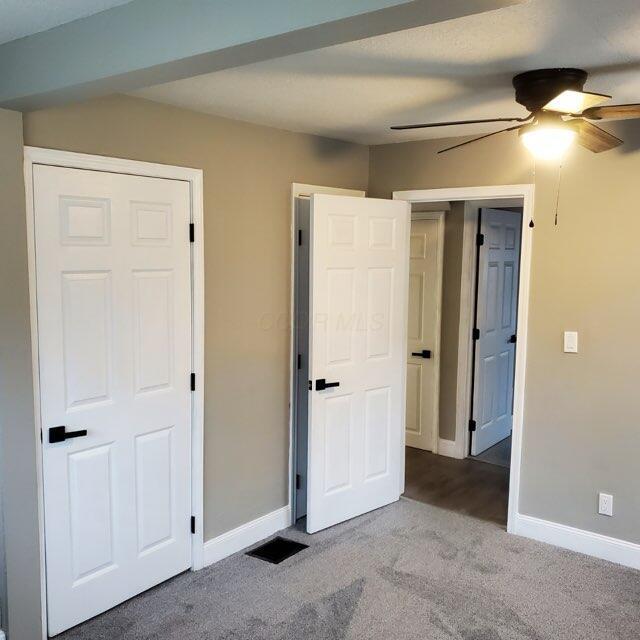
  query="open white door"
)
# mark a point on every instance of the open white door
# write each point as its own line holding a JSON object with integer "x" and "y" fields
{"x": 497, "y": 314}
{"x": 357, "y": 347}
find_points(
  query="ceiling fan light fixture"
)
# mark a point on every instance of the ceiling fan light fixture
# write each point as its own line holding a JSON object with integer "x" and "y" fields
{"x": 570, "y": 101}
{"x": 548, "y": 140}
{"x": 558, "y": 113}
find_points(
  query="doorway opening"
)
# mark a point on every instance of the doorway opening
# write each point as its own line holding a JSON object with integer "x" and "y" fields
{"x": 353, "y": 438}
{"x": 464, "y": 322}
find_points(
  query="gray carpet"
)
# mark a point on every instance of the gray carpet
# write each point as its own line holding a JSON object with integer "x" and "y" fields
{"x": 499, "y": 454}
{"x": 407, "y": 571}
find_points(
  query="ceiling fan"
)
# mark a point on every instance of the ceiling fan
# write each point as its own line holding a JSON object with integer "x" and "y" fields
{"x": 559, "y": 113}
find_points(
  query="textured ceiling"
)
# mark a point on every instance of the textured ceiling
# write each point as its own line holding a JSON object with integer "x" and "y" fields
{"x": 453, "y": 70}
{"x": 19, "y": 18}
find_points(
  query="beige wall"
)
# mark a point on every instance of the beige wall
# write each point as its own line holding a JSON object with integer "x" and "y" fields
{"x": 248, "y": 171}
{"x": 17, "y": 429}
{"x": 449, "y": 335}
{"x": 581, "y": 432}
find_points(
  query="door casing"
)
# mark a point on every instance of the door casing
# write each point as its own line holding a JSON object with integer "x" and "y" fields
{"x": 461, "y": 446}
{"x": 37, "y": 155}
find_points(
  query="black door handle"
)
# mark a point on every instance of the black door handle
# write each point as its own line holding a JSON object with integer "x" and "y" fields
{"x": 513, "y": 339}
{"x": 322, "y": 384}
{"x": 425, "y": 353}
{"x": 60, "y": 434}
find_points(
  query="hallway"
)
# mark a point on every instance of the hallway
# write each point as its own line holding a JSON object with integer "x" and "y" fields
{"x": 468, "y": 486}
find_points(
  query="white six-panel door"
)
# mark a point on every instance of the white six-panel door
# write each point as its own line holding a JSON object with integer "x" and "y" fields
{"x": 358, "y": 312}
{"x": 497, "y": 315}
{"x": 423, "y": 349}
{"x": 114, "y": 322}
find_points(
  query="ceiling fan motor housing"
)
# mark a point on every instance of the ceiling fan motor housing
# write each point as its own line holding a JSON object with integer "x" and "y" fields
{"x": 534, "y": 89}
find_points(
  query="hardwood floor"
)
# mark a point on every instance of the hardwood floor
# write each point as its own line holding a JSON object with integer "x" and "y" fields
{"x": 467, "y": 486}
{"x": 499, "y": 454}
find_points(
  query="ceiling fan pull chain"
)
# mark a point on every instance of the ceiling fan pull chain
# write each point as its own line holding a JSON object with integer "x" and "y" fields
{"x": 558, "y": 192}
{"x": 533, "y": 180}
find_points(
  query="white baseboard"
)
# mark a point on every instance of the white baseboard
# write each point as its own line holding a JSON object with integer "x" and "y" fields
{"x": 2, "y": 636}
{"x": 592, "y": 544}
{"x": 245, "y": 535}
{"x": 448, "y": 448}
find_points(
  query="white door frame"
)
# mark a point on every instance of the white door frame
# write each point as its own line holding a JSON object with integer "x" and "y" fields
{"x": 34, "y": 156}
{"x": 439, "y": 217}
{"x": 300, "y": 190}
{"x": 499, "y": 192}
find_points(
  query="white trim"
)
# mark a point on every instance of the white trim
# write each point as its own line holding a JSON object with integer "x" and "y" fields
{"x": 246, "y": 535}
{"x": 580, "y": 540}
{"x": 405, "y": 341}
{"x": 439, "y": 217}
{"x": 198, "y": 311}
{"x": 448, "y": 448}
{"x": 2, "y": 636}
{"x": 526, "y": 192}
{"x": 300, "y": 190}
{"x": 31, "y": 256}
{"x": 36, "y": 155}
{"x": 465, "y": 193}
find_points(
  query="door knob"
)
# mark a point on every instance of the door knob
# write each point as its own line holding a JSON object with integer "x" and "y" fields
{"x": 322, "y": 384}
{"x": 425, "y": 353}
{"x": 60, "y": 434}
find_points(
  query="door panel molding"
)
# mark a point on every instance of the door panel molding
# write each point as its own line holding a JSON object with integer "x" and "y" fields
{"x": 95, "y": 229}
{"x": 504, "y": 193}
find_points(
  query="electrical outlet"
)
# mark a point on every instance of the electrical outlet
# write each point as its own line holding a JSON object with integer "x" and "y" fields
{"x": 605, "y": 504}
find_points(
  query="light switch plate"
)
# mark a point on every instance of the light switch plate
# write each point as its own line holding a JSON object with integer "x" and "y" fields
{"x": 571, "y": 342}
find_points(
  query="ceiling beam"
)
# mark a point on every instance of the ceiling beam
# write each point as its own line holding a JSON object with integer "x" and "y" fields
{"x": 148, "y": 42}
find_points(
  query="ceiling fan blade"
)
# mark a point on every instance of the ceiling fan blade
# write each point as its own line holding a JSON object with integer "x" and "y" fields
{"x": 596, "y": 139}
{"x": 575, "y": 102}
{"x": 613, "y": 112}
{"x": 488, "y": 135}
{"x": 403, "y": 127}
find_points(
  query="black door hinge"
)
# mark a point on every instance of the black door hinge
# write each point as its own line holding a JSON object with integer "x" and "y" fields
{"x": 310, "y": 385}
{"x": 192, "y": 232}
{"x": 300, "y": 237}
{"x": 480, "y": 239}
{"x": 298, "y": 481}
{"x": 193, "y": 524}
{"x": 472, "y": 425}
{"x": 193, "y": 382}
{"x": 299, "y": 361}
{"x": 476, "y": 334}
